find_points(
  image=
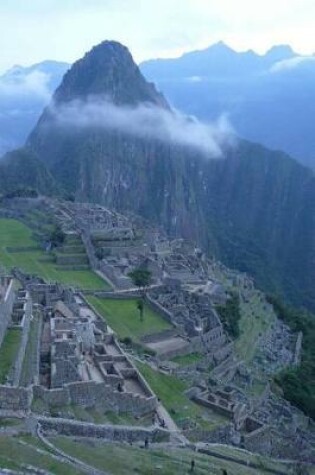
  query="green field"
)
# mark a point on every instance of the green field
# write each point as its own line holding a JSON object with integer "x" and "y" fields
{"x": 187, "y": 359}
{"x": 8, "y": 350}
{"x": 121, "y": 459}
{"x": 16, "y": 453}
{"x": 123, "y": 317}
{"x": 16, "y": 234}
{"x": 170, "y": 390}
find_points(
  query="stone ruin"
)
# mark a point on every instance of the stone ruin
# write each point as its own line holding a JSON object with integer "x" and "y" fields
{"x": 75, "y": 360}
{"x": 78, "y": 360}
{"x": 194, "y": 318}
{"x": 82, "y": 363}
{"x": 7, "y": 297}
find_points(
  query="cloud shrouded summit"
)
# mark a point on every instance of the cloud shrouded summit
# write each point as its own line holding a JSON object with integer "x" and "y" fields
{"x": 106, "y": 90}
{"x": 147, "y": 121}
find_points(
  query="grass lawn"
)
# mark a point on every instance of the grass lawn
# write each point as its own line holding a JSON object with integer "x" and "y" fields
{"x": 123, "y": 317}
{"x": 8, "y": 350}
{"x": 187, "y": 359}
{"x": 16, "y": 234}
{"x": 170, "y": 390}
{"x": 121, "y": 459}
{"x": 14, "y": 455}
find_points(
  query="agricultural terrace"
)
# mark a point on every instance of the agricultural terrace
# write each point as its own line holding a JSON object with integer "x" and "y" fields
{"x": 28, "y": 256}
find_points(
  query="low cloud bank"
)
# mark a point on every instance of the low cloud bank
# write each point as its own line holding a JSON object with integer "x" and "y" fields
{"x": 15, "y": 85}
{"x": 291, "y": 63}
{"x": 147, "y": 121}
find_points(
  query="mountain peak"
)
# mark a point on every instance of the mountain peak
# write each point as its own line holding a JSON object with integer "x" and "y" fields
{"x": 280, "y": 52}
{"x": 108, "y": 70}
{"x": 221, "y": 46}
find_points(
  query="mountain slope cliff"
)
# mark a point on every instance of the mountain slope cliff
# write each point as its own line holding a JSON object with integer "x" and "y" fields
{"x": 253, "y": 208}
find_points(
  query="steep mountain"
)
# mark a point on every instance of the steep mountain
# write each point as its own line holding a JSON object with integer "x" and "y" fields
{"x": 101, "y": 139}
{"x": 268, "y": 98}
{"x": 21, "y": 169}
{"x": 24, "y": 91}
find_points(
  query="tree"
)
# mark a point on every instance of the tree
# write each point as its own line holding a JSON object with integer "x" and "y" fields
{"x": 140, "y": 307}
{"x": 141, "y": 278}
{"x": 57, "y": 236}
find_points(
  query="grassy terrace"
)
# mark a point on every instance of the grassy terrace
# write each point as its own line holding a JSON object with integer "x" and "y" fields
{"x": 255, "y": 320}
{"x": 122, "y": 459}
{"x": 35, "y": 261}
{"x": 8, "y": 350}
{"x": 118, "y": 459}
{"x": 186, "y": 360}
{"x": 170, "y": 390}
{"x": 16, "y": 453}
{"x": 123, "y": 317}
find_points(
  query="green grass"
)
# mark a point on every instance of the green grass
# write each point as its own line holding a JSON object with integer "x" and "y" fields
{"x": 8, "y": 351}
{"x": 7, "y": 422}
{"x": 121, "y": 459}
{"x": 255, "y": 320}
{"x": 170, "y": 390}
{"x": 16, "y": 234}
{"x": 30, "y": 352}
{"x": 14, "y": 455}
{"x": 123, "y": 317}
{"x": 187, "y": 359}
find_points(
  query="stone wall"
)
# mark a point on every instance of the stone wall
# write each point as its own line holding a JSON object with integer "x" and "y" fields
{"x": 224, "y": 411}
{"x": 222, "y": 435}
{"x": 94, "y": 262}
{"x": 259, "y": 440}
{"x": 17, "y": 367}
{"x": 15, "y": 399}
{"x": 160, "y": 310}
{"x": 108, "y": 432}
{"x": 163, "y": 335}
{"x": 6, "y": 306}
{"x": 100, "y": 395}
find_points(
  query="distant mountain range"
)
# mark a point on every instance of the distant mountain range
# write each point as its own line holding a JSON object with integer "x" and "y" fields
{"x": 109, "y": 137}
{"x": 24, "y": 92}
{"x": 269, "y": 99}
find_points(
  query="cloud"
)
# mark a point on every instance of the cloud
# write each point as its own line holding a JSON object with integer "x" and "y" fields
{"x": 194, "y": 79}
{"x": 147, "y": 120}
{"x": 15, "y": 84}
{"x": 290, "y": 63}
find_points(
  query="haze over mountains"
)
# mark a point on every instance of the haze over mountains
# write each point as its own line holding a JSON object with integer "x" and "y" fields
{"x": 110, "y": 137}
{"x": 24, "y": 92}
{"x": 269, "y": 99}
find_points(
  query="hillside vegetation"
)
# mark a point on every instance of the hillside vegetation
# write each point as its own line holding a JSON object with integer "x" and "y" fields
{"x": 298, "y": 384}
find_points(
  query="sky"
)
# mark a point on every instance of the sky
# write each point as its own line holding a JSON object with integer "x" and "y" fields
{"x": 34, "y": 30}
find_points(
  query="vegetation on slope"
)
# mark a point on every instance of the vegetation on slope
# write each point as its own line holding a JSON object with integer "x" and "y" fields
{"x": 298, "y": 383}
{"x": 230, "y": 315}
{"x": 8, "y": 351}
{"x": 21, "y": 169}
{"x": 32, "y": 259}
{"x": 122, "y": 459}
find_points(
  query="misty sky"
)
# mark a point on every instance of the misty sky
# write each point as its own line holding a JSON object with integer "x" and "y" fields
{"x": 34, "y": 30}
